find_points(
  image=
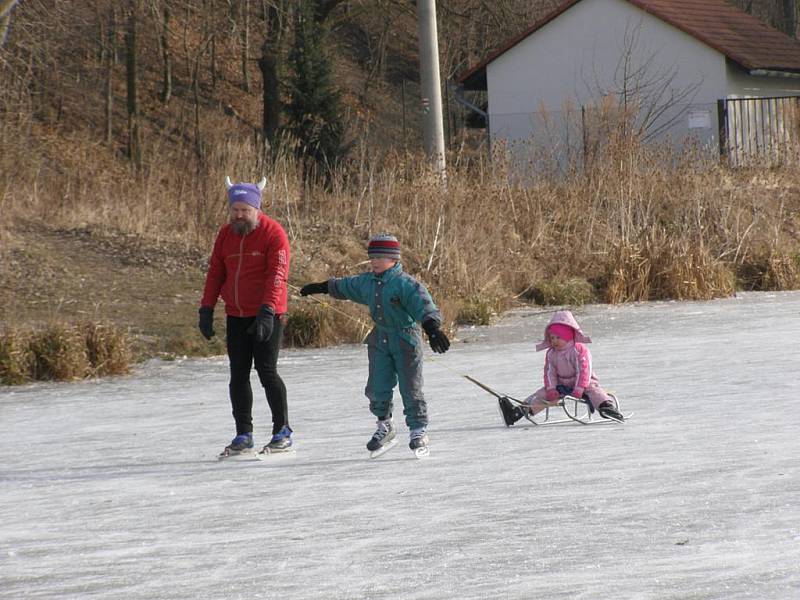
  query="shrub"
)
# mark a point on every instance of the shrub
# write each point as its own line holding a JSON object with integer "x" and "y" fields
{"x": 60, "y": 353}
{"x": 574, "y": 291}
{"x": 16, "y": 358}
{"x": 664, "y": 267}
{"x": 63, "y": 351}
{"x": 107, "y": 348}
{"x": 475, "y": 311}
{"x": 773, "y": 270}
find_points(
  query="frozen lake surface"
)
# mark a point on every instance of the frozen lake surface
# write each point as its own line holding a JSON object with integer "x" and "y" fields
{"x": 111, "y": 489}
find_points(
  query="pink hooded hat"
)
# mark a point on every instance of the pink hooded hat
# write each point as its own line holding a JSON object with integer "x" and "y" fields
{"x": 563, "y": 317}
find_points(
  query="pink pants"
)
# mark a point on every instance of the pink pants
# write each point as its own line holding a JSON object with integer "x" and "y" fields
{"x": 538, "y": 400}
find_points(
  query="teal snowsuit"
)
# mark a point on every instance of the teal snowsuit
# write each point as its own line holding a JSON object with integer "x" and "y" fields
{"x": 396, "y": 303}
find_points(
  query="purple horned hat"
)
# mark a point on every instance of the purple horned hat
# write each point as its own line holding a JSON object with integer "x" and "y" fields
{"x": 249, "y": 193}
{"x": 563, "y": 317}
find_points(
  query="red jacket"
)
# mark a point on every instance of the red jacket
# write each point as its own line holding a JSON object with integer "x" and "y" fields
{"x": 249, "y": 270}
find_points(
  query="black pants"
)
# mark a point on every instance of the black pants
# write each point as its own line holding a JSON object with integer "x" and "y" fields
{"x": 243, "y": 352}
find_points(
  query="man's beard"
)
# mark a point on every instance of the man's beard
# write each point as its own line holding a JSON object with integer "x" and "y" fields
{"x": 243, "y": 226}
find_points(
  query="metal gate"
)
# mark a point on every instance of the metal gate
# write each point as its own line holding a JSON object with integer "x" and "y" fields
{"x": 759, "y": 130}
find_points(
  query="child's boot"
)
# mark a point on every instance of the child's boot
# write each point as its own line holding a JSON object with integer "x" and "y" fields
{"x": 609, "y": 411}
{"x": 383, "y": 434}
{"x": 511, "y": 414}
{"x": 418, "y": 438}
{"x": 418, "y": 442}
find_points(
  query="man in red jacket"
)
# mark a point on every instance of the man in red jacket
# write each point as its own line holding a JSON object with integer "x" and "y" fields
{"x": 249, "y": 268}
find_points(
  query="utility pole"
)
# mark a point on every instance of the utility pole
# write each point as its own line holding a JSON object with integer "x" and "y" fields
{"x": 433, "y": 132}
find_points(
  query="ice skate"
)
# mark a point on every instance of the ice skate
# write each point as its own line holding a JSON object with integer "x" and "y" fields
{"x": 419, "y": 442}
{"x": 609, "y": 411}
{"x": 383, "y": 439}
{"x": 240, "y": 447}
{"x": 280, "y": 442}
{"x": 511, "y": 414}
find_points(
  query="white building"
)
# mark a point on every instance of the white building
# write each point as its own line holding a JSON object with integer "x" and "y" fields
{"x": 562, "y": 80}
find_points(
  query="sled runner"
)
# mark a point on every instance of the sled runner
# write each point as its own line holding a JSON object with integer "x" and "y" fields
{"x": 575, "y": 410}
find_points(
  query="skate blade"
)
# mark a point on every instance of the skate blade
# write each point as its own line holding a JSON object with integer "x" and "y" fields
{"x": 423, "y": 452}
{"x": 234, "y": 456}
{"x": 612, "y": 419}
{"x": 625, "y": 417}
{"x": 383, "y": 449}
{"x": 272, "y": 453}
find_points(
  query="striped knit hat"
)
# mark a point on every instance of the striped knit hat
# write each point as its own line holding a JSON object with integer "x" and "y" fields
{"x": 384, "y": 246}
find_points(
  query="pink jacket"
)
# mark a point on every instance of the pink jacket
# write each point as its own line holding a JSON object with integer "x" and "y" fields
{"x": 571, "y": 367}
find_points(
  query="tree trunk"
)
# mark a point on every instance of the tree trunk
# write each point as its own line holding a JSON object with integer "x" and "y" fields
{"x": 245, "y": 20}
{"x": 268, "y": 65}
{"x": 134, "y": 139}
{"x": 110, "y": 56}
{"x": 166, "y": 56}
{"x": 210, "y": 34}
{"x": 198, "y": 139}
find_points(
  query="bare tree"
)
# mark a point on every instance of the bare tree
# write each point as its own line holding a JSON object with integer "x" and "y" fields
{"x": 268, "y": 63}
{"x": 163, "y": 15}
{"x": 244, "y": 19}
{"x": 131, "y": 68}
{"x": 643, "y": 89}
{"x": 107, "y": 18}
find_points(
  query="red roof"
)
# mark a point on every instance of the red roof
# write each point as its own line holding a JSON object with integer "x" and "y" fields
{"x": 742, "y": 38}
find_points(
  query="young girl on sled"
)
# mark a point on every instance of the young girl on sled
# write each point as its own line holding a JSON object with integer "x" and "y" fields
{"x": 567, "y": 371}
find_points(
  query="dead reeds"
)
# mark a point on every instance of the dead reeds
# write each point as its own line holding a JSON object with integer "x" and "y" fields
{"x": 62, "y": 352}
{"x": 638, "y": 223}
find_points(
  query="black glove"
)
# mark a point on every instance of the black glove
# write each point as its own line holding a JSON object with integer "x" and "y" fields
{"x": 314, "y": 288}
{"x": 206, "y": 323}
{"x": 262, "y": 326}
{"x": 437, "y": 338}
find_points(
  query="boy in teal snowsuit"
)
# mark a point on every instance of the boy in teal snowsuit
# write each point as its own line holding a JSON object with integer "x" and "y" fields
{"x": 396, "y": 303}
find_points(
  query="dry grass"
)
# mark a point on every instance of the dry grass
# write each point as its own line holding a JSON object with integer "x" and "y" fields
{"x": 627, "y": 229}
{"x": 17, "y": 359}
{"x": 664, "y": 267}
{"x": 63, "y": 352}
{"x": 638, "y": 222}
{"x": 107, "y": 348}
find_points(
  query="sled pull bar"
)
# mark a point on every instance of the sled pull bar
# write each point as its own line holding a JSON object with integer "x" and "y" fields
{"x": 483, "y": 386}
{"x": 494, "y": 393}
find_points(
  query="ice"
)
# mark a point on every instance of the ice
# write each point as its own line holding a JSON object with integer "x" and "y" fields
{"x": 111, "y": 488}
